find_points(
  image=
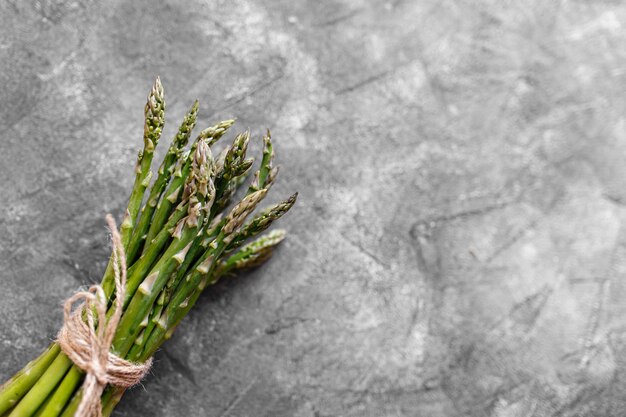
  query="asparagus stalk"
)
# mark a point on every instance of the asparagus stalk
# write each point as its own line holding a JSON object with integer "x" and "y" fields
{"x": 267, "y": 173}
{"x": 232, "y": 165}
{"x": 155, "y": 119}
{"x": 37, "y": 394}
{"x": 261, "y": 222}
{"x": 43, "y": 406}
{"x": 63, "y": 392}
{"x": 253, "y": 254}
{"x": 164, "y": 174}
{"x": 15, "y": 388}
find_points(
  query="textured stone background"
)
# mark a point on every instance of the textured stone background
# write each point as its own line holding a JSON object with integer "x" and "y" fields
{"x": 458, "y": 248}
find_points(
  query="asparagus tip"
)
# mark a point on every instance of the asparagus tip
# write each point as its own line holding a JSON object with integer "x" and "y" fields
{"x": 157, "y": 88}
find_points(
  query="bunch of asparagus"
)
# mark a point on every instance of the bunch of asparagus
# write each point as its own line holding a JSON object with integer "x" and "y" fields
{"x": 177, "y": 243}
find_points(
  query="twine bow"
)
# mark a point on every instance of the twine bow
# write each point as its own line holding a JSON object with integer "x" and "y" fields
{"x": 88, "y": 342}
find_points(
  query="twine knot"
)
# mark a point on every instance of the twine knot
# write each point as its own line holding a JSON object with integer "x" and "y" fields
{"x": 86, "y": 336}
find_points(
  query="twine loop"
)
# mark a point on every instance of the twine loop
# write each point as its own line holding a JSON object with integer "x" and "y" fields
{"x": 86, "y": 336}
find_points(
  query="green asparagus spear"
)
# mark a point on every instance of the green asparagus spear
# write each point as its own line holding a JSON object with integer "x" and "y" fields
{"x": 155, "y": 119}
{"x": 164, "y": 174}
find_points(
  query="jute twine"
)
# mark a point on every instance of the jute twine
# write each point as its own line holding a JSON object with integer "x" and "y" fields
{"x": 86, "y": 336}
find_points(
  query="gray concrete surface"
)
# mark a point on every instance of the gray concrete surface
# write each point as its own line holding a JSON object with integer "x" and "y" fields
{"x": 458, "y": 248}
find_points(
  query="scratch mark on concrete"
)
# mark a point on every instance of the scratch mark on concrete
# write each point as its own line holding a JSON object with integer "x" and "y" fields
{"x": 237, "y": 399}
{"x": 598, "y": 307}
{"x": 364, "y": 82}
{"x": 366, "y": 252}
{"x": 287, "y": 323}
{"x": 248, "y": 94}
{"x": 513, "y": 239}
{"x": 526, "y": 312}
{"x": 341, "y": 18}
{"x": 464, "y": 213}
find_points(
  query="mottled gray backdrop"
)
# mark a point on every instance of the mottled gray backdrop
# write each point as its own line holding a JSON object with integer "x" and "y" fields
{"x": 458, "y": 248}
